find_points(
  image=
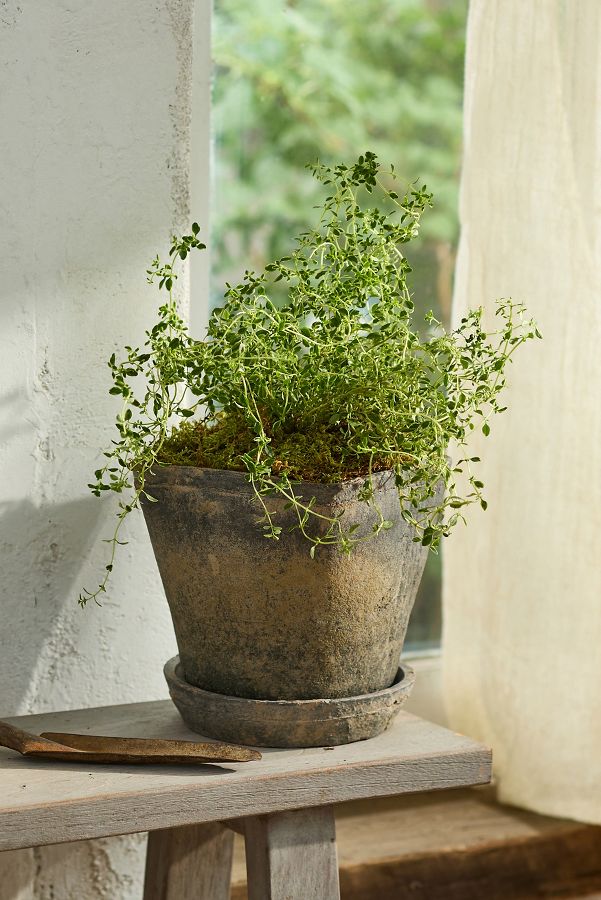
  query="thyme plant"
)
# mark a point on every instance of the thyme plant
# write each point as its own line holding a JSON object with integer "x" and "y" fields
{"x": 340, "y": 366}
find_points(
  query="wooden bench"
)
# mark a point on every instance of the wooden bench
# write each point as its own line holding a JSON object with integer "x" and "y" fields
{"x": 283, "y": 804}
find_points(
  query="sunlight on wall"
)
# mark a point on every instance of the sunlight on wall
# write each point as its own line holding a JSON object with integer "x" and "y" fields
{"x": 95, "y": 153}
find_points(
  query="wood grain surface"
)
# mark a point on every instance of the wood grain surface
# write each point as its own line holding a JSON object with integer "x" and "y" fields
{"x": 193, "y": 862}
{"x": 292, "y": 856}
{"x": 456, "y": 845}
{"x": 46, "y": 803}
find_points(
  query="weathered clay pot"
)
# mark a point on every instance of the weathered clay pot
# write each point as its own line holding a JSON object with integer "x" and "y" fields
{"x": 259, "y": 618}
{"x": 287, "y": 723}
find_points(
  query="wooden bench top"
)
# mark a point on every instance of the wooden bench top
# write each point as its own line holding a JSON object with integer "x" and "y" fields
{"x": 44, "y": 802}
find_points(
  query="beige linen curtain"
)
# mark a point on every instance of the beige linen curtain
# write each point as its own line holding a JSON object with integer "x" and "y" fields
{"x": 522, "y": 638}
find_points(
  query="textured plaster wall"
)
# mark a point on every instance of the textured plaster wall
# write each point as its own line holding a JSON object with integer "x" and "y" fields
{"x": 95, "y": 106}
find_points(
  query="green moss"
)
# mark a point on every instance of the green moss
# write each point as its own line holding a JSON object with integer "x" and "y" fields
{"x": 319, "y": 454}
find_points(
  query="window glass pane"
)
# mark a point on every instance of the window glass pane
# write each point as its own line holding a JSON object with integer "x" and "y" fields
{"x": 330, "y": 79}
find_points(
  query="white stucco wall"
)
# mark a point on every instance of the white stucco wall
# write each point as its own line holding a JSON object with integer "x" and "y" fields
{"x": 95, "y": 106}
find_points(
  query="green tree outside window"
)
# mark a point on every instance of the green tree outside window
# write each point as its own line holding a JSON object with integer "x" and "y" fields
{"x": 329, "y": 79}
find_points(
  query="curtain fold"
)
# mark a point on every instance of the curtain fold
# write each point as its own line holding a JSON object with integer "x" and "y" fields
{"x": 522, "y": 583}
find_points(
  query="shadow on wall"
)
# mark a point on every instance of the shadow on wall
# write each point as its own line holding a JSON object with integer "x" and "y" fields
{"x": 17, "y": 871}
{"x": 42, "y": 551}
{"x": 11, "y": 406}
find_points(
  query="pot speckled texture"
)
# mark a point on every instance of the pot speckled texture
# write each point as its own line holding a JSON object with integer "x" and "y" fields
{"x": 287, "y": 723}
{"x": 259, "y": 618}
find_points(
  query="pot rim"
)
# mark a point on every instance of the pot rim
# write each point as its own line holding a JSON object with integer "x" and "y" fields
{"x": 234, "y": 480}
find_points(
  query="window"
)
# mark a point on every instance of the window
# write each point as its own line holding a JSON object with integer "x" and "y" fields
{"x": 331, "y": 79}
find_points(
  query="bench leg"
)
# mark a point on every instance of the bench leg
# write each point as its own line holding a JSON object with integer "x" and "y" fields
{"x": 189, "y": 863}
{"x": 292, "y": 856}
